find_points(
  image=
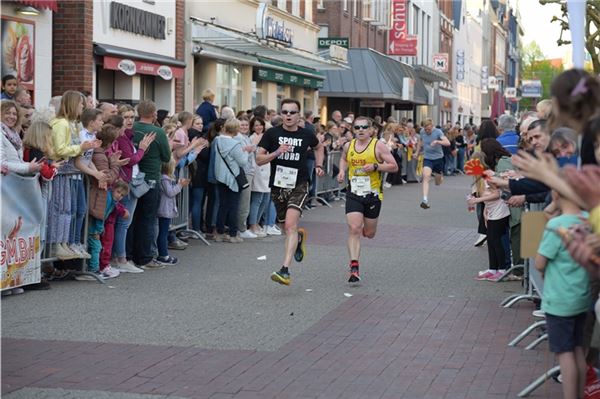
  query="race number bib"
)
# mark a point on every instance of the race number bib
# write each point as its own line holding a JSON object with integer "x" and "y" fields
{"x": 285, "y": 177}
{"x": 360, "y": 185}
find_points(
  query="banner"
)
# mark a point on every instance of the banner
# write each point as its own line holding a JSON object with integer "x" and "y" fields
{"x": 399, "y": 41}
{"x": 20, "y": 245}
{"x": 18, "y": 40}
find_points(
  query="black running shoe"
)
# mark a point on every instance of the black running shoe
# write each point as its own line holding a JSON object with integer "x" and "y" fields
{"x": 354, "y": 275}
{"x": 300, "y": 249}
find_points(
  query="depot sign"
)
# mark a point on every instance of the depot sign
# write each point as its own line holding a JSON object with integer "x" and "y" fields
{"x": 399, "y": 41}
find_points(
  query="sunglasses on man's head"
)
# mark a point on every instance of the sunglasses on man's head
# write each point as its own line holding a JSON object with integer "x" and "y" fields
{"x": 286, "y": 112}
{"x": 361, "y": 127}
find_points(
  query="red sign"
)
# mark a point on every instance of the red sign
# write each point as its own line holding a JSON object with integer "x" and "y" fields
{"x": 399, "y": 41}
{"x": 131, "y": 67}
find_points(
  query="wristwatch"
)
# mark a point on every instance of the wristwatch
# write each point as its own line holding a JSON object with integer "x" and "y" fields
{"x": 375, "y": 166}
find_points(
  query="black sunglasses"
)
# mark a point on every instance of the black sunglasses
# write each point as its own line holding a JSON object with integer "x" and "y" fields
{"x": 361, "y": 127}
{"x": 286, "y": 112}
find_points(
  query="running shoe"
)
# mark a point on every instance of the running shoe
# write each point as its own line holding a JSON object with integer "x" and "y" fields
{"x": 281, "y": 278}
{"x": 273, "y": 230}
{"x": 153, "y": 265}
{"x": 484, "y": 276}
{"x": 425, "y": 205}
{"x": 167, "y": 260}
{"x": 495, "y": 277}
{"x": 354, "y": 275}
{"x": 301, "y": 248}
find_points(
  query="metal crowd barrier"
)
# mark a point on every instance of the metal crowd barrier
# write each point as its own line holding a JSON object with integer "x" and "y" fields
{"x": 328, "y": 184}
{"x": 180, "y": 224}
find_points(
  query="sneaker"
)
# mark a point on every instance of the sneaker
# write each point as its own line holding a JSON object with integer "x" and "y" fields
{"x": 480, "y": 240}
{"x": 484, "y": 276}
{"x": 219, "y": 237}
{"x": 87, "y": 277}
{"x": 495, "y": 277}
{"x": 109, "y": 272}
{"x": 127, "y": 267}
{"x": 539, "y": 313}
{"x": 281, "y": 278}
{"x": 425, "y": 205}
{"x": 273, "y": 231}
{"x": 387, "y": 185}
{"x": 153, "y": 265}
{"x": 439, "y": 178}
{"x": 167, "y": 260}
{"x": 62, "y": 252}
{"x": 260, "y": 233}
{"x": 177, "y": 245}
{"x": 300, "y": 248}
{"x": 17, "y": 291}
{"x": 248, "y": 234}
{"x": 82, "y": 250}
{"x": 233, "y": 240}
{"x": 354, "y": 275}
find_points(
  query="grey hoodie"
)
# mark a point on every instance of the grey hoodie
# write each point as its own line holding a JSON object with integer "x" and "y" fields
{"x": 231, "y": 150}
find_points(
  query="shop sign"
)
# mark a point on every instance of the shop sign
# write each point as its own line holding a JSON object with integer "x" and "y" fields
{"x": 134, "y": 20}
{"x": 460, "y": 65}
{"x": 440, "y": 62}
{"x": 269, "y": 28}
{"x": 326, "y": 42}
{"x": 272, "y": 75}
{"x": 372, "y": 104}
{"x": 484, "y": 79}
{"x": 510, "y": 92}
{"x": 492, "y": 83}
{"x": 338, "y": 53}
{"x": 399, "y": 41}
{"x": 131, "y": 67}
{"x": 127, "y": 67}
{"x": 531, "y": 88}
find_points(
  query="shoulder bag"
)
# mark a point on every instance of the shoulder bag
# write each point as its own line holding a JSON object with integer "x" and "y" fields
{"x": 241, "y": 179}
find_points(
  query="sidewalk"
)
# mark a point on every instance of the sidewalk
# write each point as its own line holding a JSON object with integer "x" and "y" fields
{"x": 419, "y": 326}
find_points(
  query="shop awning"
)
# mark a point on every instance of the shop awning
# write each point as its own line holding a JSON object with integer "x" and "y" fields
{"x": 48, "y": 4}
{"x": 430, "y": 75}
{"x": 133, "y": 62}
{"x": 375, "y": 76}
{"x": 248, "y": 44}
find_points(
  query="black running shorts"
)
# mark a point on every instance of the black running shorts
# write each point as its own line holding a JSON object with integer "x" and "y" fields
{"x": 369, "y": 206}
{"x": 284, "y": 198}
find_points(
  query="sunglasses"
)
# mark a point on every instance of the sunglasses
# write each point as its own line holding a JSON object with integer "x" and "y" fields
{"x": 285, "y": 112}
{"x": 361, "y": 127}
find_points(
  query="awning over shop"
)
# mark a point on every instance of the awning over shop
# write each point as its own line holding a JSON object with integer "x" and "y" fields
{"x": 430, "y": 75}
{"x": 209, "y": 35}
{"x": 48, "y": 4}
{"x": 131, "y": 62}
{"x": 375, "y": 75}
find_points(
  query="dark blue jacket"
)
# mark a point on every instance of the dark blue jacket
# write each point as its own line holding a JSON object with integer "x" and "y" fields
{"x": 208, "y": 114}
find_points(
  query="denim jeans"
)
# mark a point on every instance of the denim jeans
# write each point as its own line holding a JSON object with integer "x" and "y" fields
{"x": 95, "y": 229}
{"x": 196, "y": 205}
{"x": 270, "y": 212}
{"x": 78, "y": 210}
{"x": 163, "y": 233}
{"x": 258, "y": 205}
{"x": 229, "y": 203}
{"x": 460, "y": 159}
{"x": 119, "y": 248}
{"x": 142, "y": 227}
{"x": 449, "y": 164}
{"x": 212, "y": 206}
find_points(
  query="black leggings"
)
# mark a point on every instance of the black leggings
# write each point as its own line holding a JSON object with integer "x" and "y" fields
{"x": 495, "y": 230}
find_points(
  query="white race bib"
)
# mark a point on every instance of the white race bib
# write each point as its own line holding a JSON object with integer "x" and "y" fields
{"x": 360, "y": 185}
{"x": 285, "y": 177}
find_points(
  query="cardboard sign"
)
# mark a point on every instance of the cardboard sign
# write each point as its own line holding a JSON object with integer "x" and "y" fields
{"x": 532, "y": 229}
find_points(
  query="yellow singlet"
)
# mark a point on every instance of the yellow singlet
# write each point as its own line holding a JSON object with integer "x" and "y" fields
{"x": 356, "y": 161}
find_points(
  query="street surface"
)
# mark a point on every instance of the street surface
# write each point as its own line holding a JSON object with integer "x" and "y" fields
{"x": 215, "y": 326}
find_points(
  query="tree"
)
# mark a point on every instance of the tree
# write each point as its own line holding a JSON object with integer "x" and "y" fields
{"x": 592, "y": 28}
{"x": 537, "y": 67}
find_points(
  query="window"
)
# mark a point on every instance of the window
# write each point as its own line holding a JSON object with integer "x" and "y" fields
{"x": 415, "y": 27}
{"x": 280, "y": 95}
{"x": 257, "y": 98}
{"x": 345, "y": 5}
{"x": 147, "y": 87}
{"x": 321, "y": 4}
{"x": 296, "y": 7}
{"x": 229, "y": 86}
{"x": 324, "y": 32}
{"x": 354, "y": 8}
{"x": 368, "y": 10}
{"x": 282, "y": 4}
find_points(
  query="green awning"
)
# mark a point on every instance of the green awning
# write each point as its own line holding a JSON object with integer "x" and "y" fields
{"x": 293, "y": 79}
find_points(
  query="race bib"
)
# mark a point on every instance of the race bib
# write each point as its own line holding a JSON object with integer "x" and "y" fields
{"x": 360, "y": 185}
{"x": 285, "y": 177}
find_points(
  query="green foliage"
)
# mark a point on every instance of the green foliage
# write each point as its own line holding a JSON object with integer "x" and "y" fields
{"x": 536, "y": 66}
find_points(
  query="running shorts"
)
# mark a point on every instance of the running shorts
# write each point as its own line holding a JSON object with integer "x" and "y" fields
{"x": 436, "y": 165}
{"x": 284, "y": 198}
{"x": 369, "y": 206}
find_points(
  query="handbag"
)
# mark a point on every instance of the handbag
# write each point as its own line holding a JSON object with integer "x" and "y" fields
{"x": 138, "y": 185}
{"x": 240, "y": 179}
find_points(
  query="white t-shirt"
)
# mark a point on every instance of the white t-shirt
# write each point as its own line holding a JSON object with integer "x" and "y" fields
{"x": 496, "y": 209}
{"x": 84, "y": 136}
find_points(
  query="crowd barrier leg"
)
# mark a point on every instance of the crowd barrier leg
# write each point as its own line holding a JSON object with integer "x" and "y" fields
{"x": 510, "y": 271}
{"x": 526, "y": 332}
{"x": 180, "y": 223}
{"x": 553, "y": 372}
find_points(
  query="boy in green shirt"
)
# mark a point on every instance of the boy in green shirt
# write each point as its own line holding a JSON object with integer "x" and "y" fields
{"x": 566, "y": 297}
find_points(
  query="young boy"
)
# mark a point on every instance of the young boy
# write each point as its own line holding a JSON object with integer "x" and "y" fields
{"x": 566, "y": 297}
{"x": 96, "y": 225}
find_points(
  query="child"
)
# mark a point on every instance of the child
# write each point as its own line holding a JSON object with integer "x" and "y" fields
{"x": 9, "y": 87}
{"x": 167, "y": 209}
{"x": 497, "y": 215}
{"x": 566, "y": 297}
{"x": 98, "y": 214}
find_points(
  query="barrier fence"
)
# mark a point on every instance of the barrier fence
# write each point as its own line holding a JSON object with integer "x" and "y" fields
{"x": 327, "y": 186}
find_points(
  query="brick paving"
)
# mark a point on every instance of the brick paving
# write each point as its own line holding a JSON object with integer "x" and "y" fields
{"x": 369, "y": 347}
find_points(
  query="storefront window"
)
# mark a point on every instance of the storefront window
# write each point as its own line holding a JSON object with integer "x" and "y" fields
{"x": 229, "y": 86}
{"x": 257, "y": 98}
{"x": 147, "y": 88}
{"x": 280, "y": 95}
